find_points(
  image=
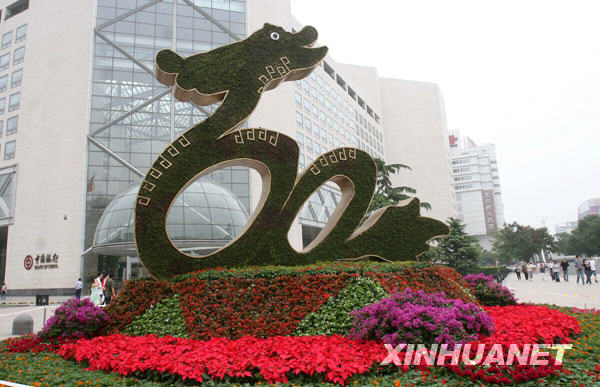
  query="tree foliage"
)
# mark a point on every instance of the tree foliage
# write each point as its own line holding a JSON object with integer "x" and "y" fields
{"x": 386, "y": 194}
{"x": 516, "y": 242}
{"x": 585, "y": 239}
{"x": 457, "y": 250}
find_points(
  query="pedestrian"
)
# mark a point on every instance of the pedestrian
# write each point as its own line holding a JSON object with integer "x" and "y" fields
{"x": 3, "y": 291}
{"x": 524, "y": 270}
{"x": 109, "y": 292}
{"x": 518, "y": 271}
{"x": 555, "y": 271}
{"x": 96, "y": 287}
{"x": 78, "y": 288}
{"x": 103, "y": 289}
{"x": 565, "y": 269}
{"x": 593, "y": 268}
{"x": 530, "y": 270}
{"x": 579, "y": 268}
{"x": 588, "y": 271}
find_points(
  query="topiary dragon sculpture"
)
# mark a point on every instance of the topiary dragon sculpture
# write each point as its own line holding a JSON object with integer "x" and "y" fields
{"x": 237, "y": 75}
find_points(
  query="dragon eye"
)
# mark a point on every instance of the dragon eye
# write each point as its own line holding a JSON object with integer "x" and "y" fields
{"x": 274, "y": 36}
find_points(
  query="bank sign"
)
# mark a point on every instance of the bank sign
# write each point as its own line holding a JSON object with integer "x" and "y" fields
{"x": 41, "y": 261}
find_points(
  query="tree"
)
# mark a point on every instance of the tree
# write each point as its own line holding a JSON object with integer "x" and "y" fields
{"x": 515, "y": 242}
{"x": 585, "y": 239}
{"x": 457, "y": 250}
{"x": 386, "y": 194}
{"x": 562, "y": 243}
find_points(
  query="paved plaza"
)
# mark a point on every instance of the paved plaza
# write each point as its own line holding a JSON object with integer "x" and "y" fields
{"x": 541, "y": 290}
{"x": 15, "y": 306}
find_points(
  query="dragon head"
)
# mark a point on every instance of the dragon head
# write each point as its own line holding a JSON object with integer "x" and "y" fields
{"x": 253, "y": 65}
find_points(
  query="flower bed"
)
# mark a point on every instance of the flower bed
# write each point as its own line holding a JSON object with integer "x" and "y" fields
{"x": 265, "y": 302}
{"x": 419, "y": 317}
{"x": 514, "y": 324}
{"x": 489, "y": 292}
{"x": 274, "y": 359}
{"x": 520, "y": 325}
{"x": 75, "y": 318}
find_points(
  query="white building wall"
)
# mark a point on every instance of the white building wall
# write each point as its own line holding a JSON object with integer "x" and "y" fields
{"x": 50, "y": 142}
{"x": 416, "y": 135}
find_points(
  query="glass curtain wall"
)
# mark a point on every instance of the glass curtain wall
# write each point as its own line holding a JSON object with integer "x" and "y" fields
{"x": 133, "y": 117}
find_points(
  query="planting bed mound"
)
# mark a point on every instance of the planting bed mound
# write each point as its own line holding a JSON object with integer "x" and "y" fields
{"x": 267, "y": 301}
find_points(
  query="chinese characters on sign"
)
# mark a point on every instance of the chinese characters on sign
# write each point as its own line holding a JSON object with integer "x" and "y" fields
{"x": 43, "y": 261}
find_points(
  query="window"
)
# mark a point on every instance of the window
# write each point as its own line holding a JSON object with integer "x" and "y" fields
{"x": 307, "y": 125}
{"x": 1, "y": 127}
{"x": 299, "y": 119}
{"x": 14, "y": 101}
{"x": 11, "y": 125}
{"x": 2, "y": 104}
{"x": 307, "y": 105}
{"x": 3, "y": 83}
{"x": 18, "y": 56}
{"x": 317, "y": 148}
{"x": 300, "y": 139}
{"x": 16, "y": 78}
{"x": 309, "y": 145}
{"x": 316, "y": 130}
{"x": 9, "y": 150}
{"x": 324, "y": 135}
{"x": 305, "y": 86}
{"x": 16, "y": 8}
{"x": 6, "y": 40}
{"x": 322, "y": 116}
{"x": 4, "y": 61}
{"x": 21, "y": 33}
{"x": 315, "y": 111}
{"x": 298, "y": 99}
{"x": 321, "y": 99}
{"x": 313, "y": 92}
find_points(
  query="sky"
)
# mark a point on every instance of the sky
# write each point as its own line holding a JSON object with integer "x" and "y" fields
{"x": 523, "y": 75}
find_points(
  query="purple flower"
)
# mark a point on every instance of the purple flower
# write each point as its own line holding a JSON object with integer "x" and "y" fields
{"x": 420, "y": 318}
{"x": 75, "y": 318}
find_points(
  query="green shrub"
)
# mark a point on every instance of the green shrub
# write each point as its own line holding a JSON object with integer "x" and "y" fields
{"x": 162, "y": 319}
{"x": 334, "y": 317}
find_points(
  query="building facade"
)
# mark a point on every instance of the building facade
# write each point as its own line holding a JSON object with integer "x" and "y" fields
{"x": 566, "y": 227}
{"x": 589, "y": 207}
{"x": 477, "y": 187}
{"x": 91, "y": 118}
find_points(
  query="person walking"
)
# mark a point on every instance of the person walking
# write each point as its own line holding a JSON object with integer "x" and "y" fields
{"x": 78, "y": 288}
{"x": 518, "y": 271}
{"x": 565, "y": 269}
{"x": 530, "y": 270}
{"x": 593, "y": 268}
{"x": 524, "y": 270}
{"x": 579, "y": 269}
{"x": 555, "y": 271}
{"x": 588, "y": 271}
{"x": 109, "y": 292}
{"x": 3, "y": 291}
{"x": 96, "y": 289}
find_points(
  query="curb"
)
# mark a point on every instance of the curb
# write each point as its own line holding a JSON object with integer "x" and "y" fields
{"x": 28, "y": 303}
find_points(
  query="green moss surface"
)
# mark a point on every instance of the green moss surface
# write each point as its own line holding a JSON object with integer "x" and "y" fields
{"x": 238, "y": 74}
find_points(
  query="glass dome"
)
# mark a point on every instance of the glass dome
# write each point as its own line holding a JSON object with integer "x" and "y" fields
{"x": 203, "y": 218}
